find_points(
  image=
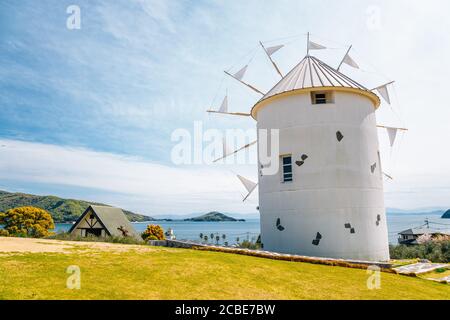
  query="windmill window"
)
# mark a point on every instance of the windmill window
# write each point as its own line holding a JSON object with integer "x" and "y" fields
{"x": 286, "y": 168}
{"x": 321, "y": 97}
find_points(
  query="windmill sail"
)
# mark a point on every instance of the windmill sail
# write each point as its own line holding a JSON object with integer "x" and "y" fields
{"x": 383, "y": 91}
{"x": 248, "y": 184}
{"x": 392, "y": 133}
{"x": 225, "y": 149}
{"x": 224, "y": 109}
{"x": 315, "y": 46}
{"x": 224, "y": 106}
{"x": 240, "y": 74}
{"x": 271, "y": 50}
{"x": 349, "y": 61}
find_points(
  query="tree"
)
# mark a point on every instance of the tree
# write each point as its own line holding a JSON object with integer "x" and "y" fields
{"x": 217, "y": 239}
{"x": 212, "y": 236}
{"x": 201, "y": 235}
{"x": 224, "y": 236}
{"x": 153, "y": 232}
{"x": 26, "y": 222}
{"x": 206, "y": 238}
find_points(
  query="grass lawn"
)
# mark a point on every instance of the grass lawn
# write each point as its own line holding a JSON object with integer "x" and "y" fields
{"x": 436, "y": 275}
{"x": 167, "y": 273}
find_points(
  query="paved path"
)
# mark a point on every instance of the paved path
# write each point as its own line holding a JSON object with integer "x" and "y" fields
{"x": 418, "y": 268}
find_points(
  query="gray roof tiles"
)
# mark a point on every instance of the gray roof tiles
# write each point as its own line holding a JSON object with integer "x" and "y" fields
{"x": 312, "y": 73}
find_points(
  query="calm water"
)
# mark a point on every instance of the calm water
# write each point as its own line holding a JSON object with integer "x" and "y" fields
{"x": 189, "y": 230}
{"x": 250, "y": 228}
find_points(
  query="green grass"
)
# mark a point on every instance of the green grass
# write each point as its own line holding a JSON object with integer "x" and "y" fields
{"x": 167, "y": 273}
{"x": 437, "y": 274}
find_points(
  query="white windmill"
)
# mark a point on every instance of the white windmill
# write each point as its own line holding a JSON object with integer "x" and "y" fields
{"x": 327, "y": 196}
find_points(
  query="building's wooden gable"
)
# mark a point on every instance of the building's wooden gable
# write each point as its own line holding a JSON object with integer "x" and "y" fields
{"x": 89, "y": 225}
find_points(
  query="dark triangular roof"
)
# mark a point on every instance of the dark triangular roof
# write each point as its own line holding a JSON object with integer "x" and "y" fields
{"x": 111, "y": 219}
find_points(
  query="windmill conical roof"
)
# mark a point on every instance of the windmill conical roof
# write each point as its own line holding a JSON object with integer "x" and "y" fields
{"x": 311, "y": 72}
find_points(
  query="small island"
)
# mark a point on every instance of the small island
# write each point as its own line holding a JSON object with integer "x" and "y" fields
{"x": 446, "y": 214}
{"x": 213, "y": 216}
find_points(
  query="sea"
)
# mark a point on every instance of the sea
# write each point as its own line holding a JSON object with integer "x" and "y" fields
{"x": 235, "y": 231}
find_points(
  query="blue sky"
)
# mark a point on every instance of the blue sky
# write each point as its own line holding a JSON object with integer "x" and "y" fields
{"x": 89, "y": 113}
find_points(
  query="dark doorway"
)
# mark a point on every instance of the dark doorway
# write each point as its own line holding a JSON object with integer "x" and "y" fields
{"x": 94, "y": 232}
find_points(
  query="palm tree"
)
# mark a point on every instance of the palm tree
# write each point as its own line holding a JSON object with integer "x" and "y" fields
{"x": 212, "y": 236}
{"x": 201, "y": 235}
{"x": 224, "y": 236}
{"x": 217, "y": 239}
{"x": 237, "y": 239}
{"x": 206, "y": 238}
{"x": 226, "y": 243}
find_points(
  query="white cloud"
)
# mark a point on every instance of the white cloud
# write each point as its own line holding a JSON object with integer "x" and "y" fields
{"x": 140, "y": 185}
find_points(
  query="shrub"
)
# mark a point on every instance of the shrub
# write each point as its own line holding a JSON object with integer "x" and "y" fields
{"x": 249, "y": 245}
{"x": 153, "y": 231}
{"x": 26, "y": 222}
{"x": 436, "y": 250}
{"x": 111, "y": 239}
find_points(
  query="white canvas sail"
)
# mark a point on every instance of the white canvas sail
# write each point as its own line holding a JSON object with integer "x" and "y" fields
{"x": 271, "y": 50}
{"x": 240, "y": 74}
{"x": 349, "y": 61}
{"x": 392, "y": 133}
{"x": 383, "y": 91}
{"x": 224, "y": 106}
{"x": 248, "y": 184}
{"x": 225, "y": 149}
{"x": 315, "y": 46}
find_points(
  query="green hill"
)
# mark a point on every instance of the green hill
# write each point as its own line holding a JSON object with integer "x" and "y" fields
{"x": 213, "y": 216}
{"x": 62, "y": 210}
{"x": 446, "y": 214}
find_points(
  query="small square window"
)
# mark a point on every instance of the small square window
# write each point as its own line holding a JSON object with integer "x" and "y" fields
{"x": 321, "y": 97}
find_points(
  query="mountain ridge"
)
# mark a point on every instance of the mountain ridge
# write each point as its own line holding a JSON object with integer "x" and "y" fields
{"x": 61, "y": 209}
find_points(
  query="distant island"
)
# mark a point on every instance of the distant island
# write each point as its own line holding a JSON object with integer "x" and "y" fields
{"x": 446, "y": 214}
{"x": 213, "y": 216}
{"x": 61, "y": 210}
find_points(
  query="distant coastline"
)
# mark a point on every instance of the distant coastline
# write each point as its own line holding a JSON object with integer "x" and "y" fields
{"x": 212, "y": 216}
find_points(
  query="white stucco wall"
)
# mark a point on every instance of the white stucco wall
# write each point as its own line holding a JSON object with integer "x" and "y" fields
{"x": 335, "y": 184}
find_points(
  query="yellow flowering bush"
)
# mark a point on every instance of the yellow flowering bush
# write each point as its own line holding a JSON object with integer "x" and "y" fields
{"x": 26, "y": 222}
{"x": 153, "y": 232}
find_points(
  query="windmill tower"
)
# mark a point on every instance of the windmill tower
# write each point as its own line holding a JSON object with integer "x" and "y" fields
{"x": 327, "y": 197}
